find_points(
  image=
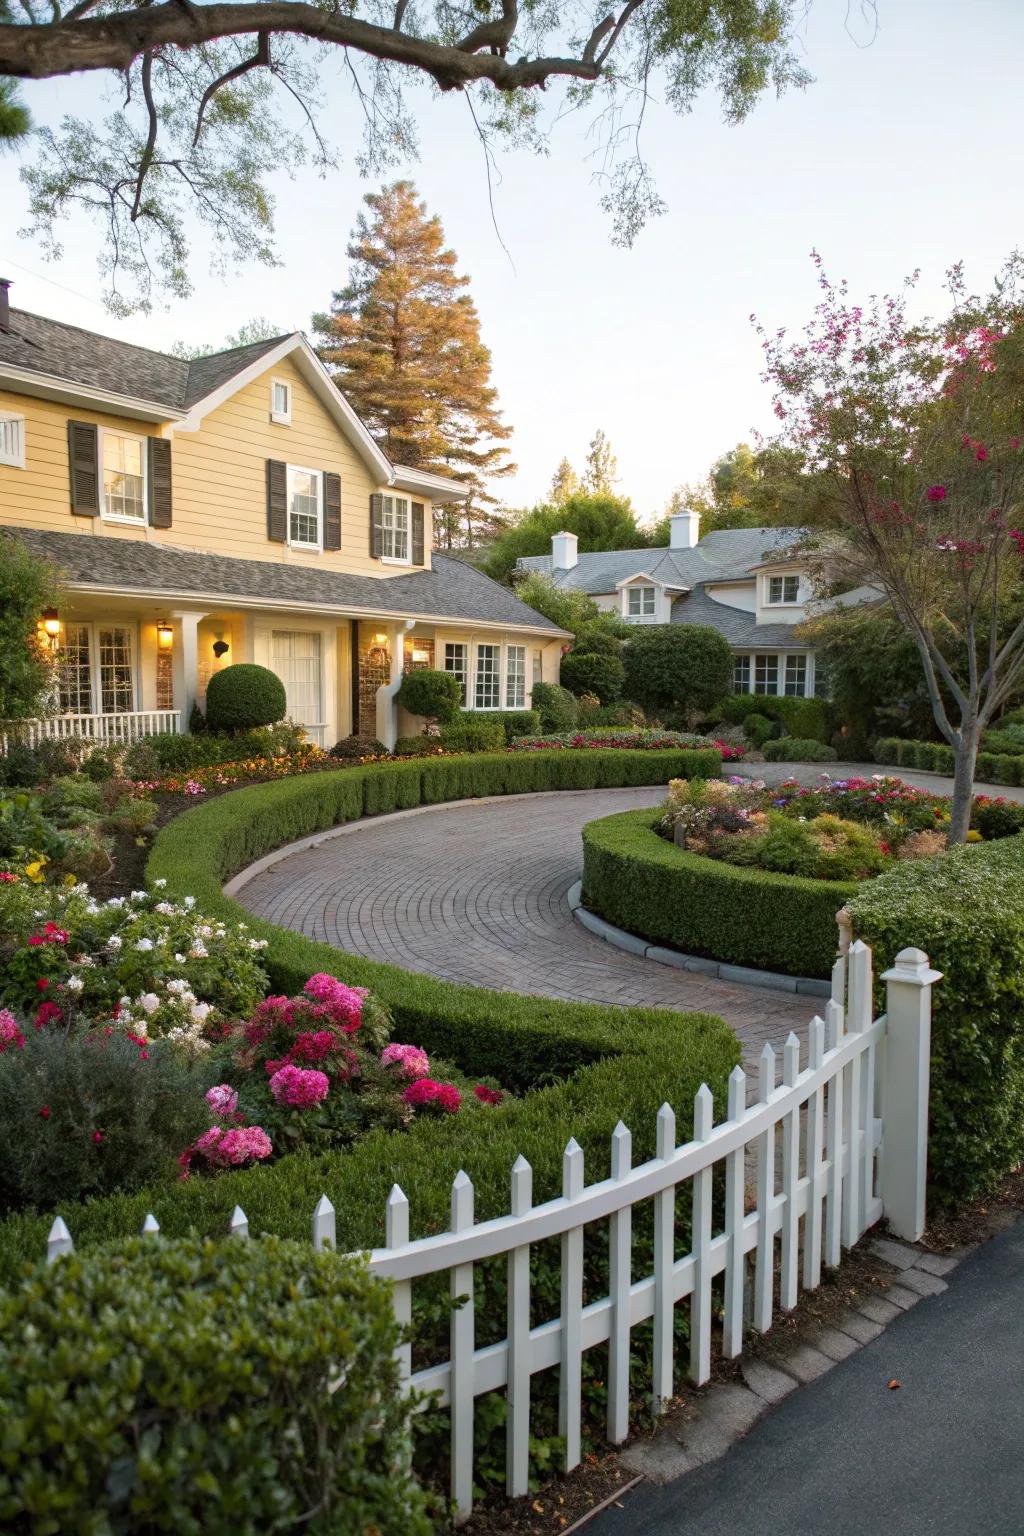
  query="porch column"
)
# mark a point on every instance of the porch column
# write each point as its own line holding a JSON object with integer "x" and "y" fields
{"x": 185, "y": 664}
{"x": 387, "y": 713}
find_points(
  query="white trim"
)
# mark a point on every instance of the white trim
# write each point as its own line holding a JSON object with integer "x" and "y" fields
{"x": 283, "y": 418}
{"x": 318, "y": 474}
{"x": 47, "y": 386}
{"x": 405, "y": 559}
{"x": 17, "y": 462}
{"x": 643, "y": 576}
{"x": 423, "y": 481}
{"x": 102, "y": 433}
{"x": 93, "y": 627}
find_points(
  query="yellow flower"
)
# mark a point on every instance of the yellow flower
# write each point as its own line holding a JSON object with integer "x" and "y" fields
{"x": 974, "y": 837}
{"x": 70, "y": 879}
{"x": 34, "y": 871}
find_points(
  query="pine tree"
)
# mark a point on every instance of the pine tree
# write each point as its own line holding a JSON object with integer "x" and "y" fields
{"x": 565, "y": 483}
{"x": 602, "y": 471}
{"x": 403, "y": 343}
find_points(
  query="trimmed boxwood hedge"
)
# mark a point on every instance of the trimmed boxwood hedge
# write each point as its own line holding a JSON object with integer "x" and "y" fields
{"x": 938, "y": 757}
{"x": 645, "y": 884}
{"x": 965, "y": 909}
{"x": 807, "y": 718}
{"x": 634, "y": 1058}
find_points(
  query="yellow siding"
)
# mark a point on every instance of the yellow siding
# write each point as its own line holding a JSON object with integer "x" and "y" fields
{"x": 219, "y": 475}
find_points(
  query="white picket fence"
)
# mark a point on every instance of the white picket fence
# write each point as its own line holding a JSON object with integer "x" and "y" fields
{"x": 837, "y": 1144}
{"x": 105, "y": 730}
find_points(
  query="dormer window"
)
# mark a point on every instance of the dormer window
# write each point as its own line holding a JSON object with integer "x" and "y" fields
{"x": 640, "y": 602}
{"x": 281, "y": 402}
{"x": 783, "y": 589}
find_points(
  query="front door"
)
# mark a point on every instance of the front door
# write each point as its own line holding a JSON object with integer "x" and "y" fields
{"x": 295, "y": 657}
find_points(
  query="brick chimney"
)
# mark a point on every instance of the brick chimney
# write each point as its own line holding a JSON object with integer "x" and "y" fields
{"x": 5, "y": 305}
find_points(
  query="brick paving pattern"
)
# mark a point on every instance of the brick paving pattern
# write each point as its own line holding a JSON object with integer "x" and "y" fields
{"x": 477, "y": 893}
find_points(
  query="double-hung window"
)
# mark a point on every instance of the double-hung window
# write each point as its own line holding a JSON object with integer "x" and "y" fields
{"x": 12, "y": 439}
{"x": 766, "y": 674}
{"x": 305, "y": 503}
{"x": 515, "y": 677}
{"x": 783, "y": 589}
{"x": 487, "y": 694}
{"x": 395, "y": 529}
{"x": 741, "y": 674}
{"x": 456, "y": 661}
{"x": 640, "y": 602}
{"x": 123, "y": 472}
{"x": 796, "y": 677}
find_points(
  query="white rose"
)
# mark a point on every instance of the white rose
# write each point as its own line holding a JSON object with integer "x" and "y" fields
{"x": 144, "y": 946}
{"x": 114, "y": 942}
{"x": 149, "y": 1001}
{"x": 74, "y": 983}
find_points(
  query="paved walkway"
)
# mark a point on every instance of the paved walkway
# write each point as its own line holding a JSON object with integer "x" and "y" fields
{"x": 477, "y": 893}
{"x": 940, "y": 1456}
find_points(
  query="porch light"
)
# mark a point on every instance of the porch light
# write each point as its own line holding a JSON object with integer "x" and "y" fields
{"x": 380, "y": 639}
{"x": 220, "y": 648}
{"x": 51, "y": 623}
{"x": 164, "y": 637}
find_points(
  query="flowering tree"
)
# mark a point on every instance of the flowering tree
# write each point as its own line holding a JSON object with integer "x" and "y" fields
{"x": 916, "y": 430}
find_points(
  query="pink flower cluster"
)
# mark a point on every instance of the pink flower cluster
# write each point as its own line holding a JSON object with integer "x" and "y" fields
{"x": 488, "y": 1095}
{"x": 51, "y": 934}
{"x": 425, "y": 1091}
{"x": 410, "y": 1060}
{"x": 11, "y": 1037}
{"x": 223, "y": 1099}
{"x": 313, "y": 1045}
{"x": 344, "y": 1005}
{"x": 298, "y": 1088}
{"x": 230, "y": 1149}
{"x": 48, "y": 1013}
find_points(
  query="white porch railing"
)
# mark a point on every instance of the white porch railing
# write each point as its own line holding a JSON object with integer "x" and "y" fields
{"x": 103, "y": 729}
{"x": 839, "y": 1143}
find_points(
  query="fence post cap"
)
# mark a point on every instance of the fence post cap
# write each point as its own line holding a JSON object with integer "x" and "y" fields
{"x": 911, "y": 965}
{"x": 323, "y": 1207}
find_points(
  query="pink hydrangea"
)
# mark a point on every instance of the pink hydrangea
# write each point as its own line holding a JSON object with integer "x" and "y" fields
{"x": 448, "y": 1097}
{"x": 426, "y": 1091}
{"x": 223, "y": 1099}
{"x": 299, "y": 1088}
{"x": 11, "y": 1037}
{"x": 345, "y": 1004}
{"x": 410, "y": 1060}
{"x": 230, "y": 1149}
{"x": 313, "y": 1045}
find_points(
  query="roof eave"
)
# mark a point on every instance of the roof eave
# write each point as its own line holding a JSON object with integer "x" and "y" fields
{"x": 48, "y": 386}
{"x": 405, "y": 478}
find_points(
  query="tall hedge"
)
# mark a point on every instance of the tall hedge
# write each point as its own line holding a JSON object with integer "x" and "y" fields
{"x": 807, "y": 718}
{"x": 965, "y": 909}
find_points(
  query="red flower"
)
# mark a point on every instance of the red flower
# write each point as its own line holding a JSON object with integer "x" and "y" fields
{"x": 97, "y": 1137}
{"x": 7, "y": 878}
{"x": 46, "y": 1013}
{"x": 44, "y": 1113}
{"x": 981, "y": 455}
{"x": 42, "y": 983}
{"x": 936, "y": 493}
{"x": 488, "y": 1095}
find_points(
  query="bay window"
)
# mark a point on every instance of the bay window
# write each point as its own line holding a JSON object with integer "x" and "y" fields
{"x": 766, "y": 674}
{"x": 796, "y": 677}
{"x": 741, "y": 674}
{"x": 488, "y": 677}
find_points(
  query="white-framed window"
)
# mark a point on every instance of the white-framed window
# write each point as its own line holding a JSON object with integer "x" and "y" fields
{"x": 395, "y": 543}
{"x": 122, "y": 477}
{"x": 281, "y": 402}
{"x": 295, "y": 656}
{"x": 766, "y": 674}
{"x": 741, "y": 674}
{"x": 487, "y": 692}
{"x": 515, "y": 677}
{"x": 456, "y": 661}
{"x": 12, "y": 439}
{"x": 96, "y": 669}
{"x": 640, "y": 602}
{"x": 783, "y": 589}
{"x": 305, "y": 502}
{"x": 796, "y": 677}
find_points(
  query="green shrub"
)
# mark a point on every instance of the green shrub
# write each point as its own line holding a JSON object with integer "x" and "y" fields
{"x": 416, "y": 746}
{"x": 206, "y": 1389}
{"x": 518, "y": 722}
{"x": 145, "y": 1109}
{"x": 58, "y": 756}
{"x": 20, "y": 767}
{"x": 997, "y": 818}
{"x": 792, "y": 749}
{"x": 1008, "y": 741}
{"x": 928, "y": 756}
{"x": 101, "y": 764}
{"x": 473, "y": 733}
{"x": 702, "y": 906}
{"x": 758, "y": 729}
{"x": 177, "y": 754}
{"x": 807, "y": 718}
{"x": 431, "y": 694}
{"x": 686, "y": 667}
{"x": 358, "y": 746}
{"x": 242, "y": 696}
{"x": 556, "y": 707}
{"x": 886, "y": 749}
{"x": 965, "y": 909}
{"x": 64, "y": 794}
{"x": 586, "y": 672}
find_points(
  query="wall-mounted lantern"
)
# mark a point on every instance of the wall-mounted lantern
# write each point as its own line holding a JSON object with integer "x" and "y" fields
{"x": 164, "y": 637}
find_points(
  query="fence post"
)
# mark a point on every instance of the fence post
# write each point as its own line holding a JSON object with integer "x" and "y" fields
{"x": 904, "y": 1153}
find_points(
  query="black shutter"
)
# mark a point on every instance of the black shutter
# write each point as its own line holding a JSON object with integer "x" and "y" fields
{"x": 277, "y": 501}
{"x": 417, "y": 533}
{"x": 332, "y": 510}
{"x": 376, "y": 526}
{"x": 84, "y": 468}
{"x": 160, "y": 482}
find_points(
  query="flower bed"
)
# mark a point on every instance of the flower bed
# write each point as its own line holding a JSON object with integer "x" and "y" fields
{"x": 628, "y": 740}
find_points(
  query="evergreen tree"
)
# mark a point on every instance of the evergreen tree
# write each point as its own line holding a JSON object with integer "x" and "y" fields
{"x": 402, "y": 341}
{"x": 565, "y": 483}
{"x": 602, "y": 471}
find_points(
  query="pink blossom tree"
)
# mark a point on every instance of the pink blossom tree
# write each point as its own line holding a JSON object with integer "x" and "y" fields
{"x": 916, "y": 430}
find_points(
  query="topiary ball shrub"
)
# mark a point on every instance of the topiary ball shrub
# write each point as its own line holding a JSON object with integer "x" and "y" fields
{"x": 244, "y": 696}
{"x": 790, "y": 749}
{"x": 557, "y": 708}
{"x": 206, "y": 1388}
{"x": 354, "y": 747}
{"x": 687, "y": 667}
{"x": 585, "y": 672}
{"x": 431, "y": 694}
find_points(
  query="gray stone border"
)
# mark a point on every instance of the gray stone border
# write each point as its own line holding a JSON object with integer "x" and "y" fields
{"x": 744, "y": 975}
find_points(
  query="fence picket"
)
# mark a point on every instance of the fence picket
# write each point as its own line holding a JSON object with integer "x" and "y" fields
{"x": 620, "y": 1243}
{"x": 324, "y": 1234}
{"x": 239, "y": 1223}
{"x": 396, "y": 1235}
{"x": 764, "y": 1271}
{"x": 570, "y": 1376}
{"x": 664, "y": 1257}
{"x": 700, "y": 1306}
{"x": 462, "y": 1345}
{"x": 150, "y": 1227}
{"x": 789, "y": 1277}
{"x": 735, "y": 1260}
{"x": 815, "y": 1166}
{"x": 517, "y": 1427}
{"x": 59, "y": 1240}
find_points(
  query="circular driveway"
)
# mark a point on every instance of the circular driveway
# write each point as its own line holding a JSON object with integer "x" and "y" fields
{"x": 477, "y": 893}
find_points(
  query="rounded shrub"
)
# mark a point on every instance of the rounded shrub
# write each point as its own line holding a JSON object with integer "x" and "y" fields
{"x": 432, "y": 694}
{"x": 758, "y": 729}
{"x": 206, "y": 1388}
{"x": 556, "y": 706}
{"x": 352, "y": 747}
{"x": 241, "y": 697}
{"x": 473, "y": 733}
{"x": 585, "y": 672}
{"x": 791, "y": 749}
{"x": 678, "y": 666}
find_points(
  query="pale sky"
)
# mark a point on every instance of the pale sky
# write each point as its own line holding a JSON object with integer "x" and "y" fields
{"x": 901, "y": 154}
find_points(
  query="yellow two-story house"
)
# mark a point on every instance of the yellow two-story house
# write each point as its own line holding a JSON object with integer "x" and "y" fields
{"x": 235, "y": 508}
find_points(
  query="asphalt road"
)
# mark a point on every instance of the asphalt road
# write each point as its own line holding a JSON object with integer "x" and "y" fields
{"x": 846, "y": 1456}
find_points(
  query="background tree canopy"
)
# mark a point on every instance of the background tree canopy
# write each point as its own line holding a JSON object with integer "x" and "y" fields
{"x": 208, "y": 101}
{"x": 600, "y": 522}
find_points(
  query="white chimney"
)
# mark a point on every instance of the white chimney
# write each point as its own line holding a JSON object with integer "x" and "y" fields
{"x": 685, "y": 530}
{"x": 564, "y": 551}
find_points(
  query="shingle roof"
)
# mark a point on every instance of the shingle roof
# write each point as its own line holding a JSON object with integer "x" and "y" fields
{"x": 723, "y": 554}
{"x": 737, "y": 625}
{"x": 61, "y": 351}
{"x": 450, "y": 590}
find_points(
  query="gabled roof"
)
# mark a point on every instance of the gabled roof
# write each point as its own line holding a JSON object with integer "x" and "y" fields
{"x": 451, "y": 589}
{"x": 738, "y": 625}
{"x": 725, "y": 554}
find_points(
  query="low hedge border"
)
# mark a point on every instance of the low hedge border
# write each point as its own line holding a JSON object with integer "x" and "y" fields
{"x": 937, "y": 757}
{"x": 582, "y": 1066}
{"x": 751, "y": 917}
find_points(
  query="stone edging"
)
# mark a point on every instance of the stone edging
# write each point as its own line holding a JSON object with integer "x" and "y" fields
{"x": 745, "y": 975}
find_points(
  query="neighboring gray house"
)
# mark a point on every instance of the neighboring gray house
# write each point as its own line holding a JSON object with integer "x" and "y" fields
{"x": 744, "y": 582}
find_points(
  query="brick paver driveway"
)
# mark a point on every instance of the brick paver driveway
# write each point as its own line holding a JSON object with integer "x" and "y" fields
{"x": 477, "y": 893}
